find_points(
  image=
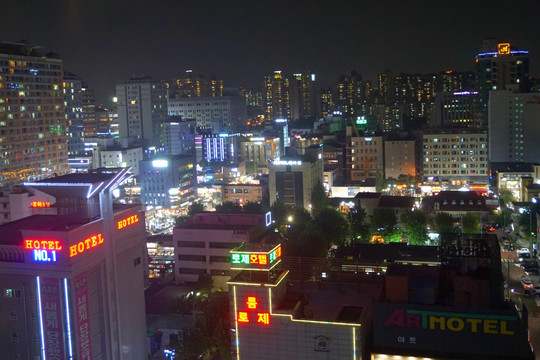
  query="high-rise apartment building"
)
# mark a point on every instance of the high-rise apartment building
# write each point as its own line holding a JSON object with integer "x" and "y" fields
{"x": 513, "y": 127}
{"x": 304, "y": 96}
{"x": 33, "y": 142}
{"x": 72, "y": 87}
{"x": 73, "y": 283}
{"x": 193, "y": 86}
{"x": 350, "y": 93}
{"x": 277, "y": 97}
{"x": 91, "y": 126}
{"x": 142, "y": 108}
{"x": 499, "y": 65}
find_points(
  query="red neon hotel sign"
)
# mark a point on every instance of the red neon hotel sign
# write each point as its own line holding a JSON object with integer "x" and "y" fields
{"x": 133, "y": 219}
{"x": 40, "y": 204}
{"x": 86, "y": 244}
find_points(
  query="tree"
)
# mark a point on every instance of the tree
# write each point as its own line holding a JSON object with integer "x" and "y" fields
{"x": 319, "y": 200}
{"x": 383, "y": 219}
{"x": 504, "y": 217}
{"x": 379, "y": 180}
{"x": 332, "y": 226}
{"x": 280, "y": 212}
{"x": 253, "y": 207}
{"x": 506, "y": 197}
{"x": 444, "y": 223}
{"x": 360, "y": 230}
{"x": 196, "y": 207}
{"x": 470, "y": 223}
{"x": 415, "y": 224}
{"x": 301, "y": 236}
{"x": 527, "y": 218}
{"x": 228, "y": 207}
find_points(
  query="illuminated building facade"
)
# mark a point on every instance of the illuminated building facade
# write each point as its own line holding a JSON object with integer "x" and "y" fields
{"x": 456, "y": 109}
{"x": 513, "y": 126}
{"x": 33, "y": 142}
{"x": 277, "y": 97}
{"x": 72, "y": 87}
{"x": 273, "y": 319}
{"x": 458, "y": 158}
{"x": 499, "y": 65}
{"x": 260, "y": 149}
{"x": 192, "y": 86}
{"x": 304, "y": 96}
{"x": 179, "y": 136}
{"x": 399, "y": 158}
{"x": 292, "y": 178}
{"x": 242, "y": 193}
{"x": 365, "y": 157}
{"x": 224, "y": 113}
{"x": 202, "y": 244}
{"x": 104, "y": 121}
{"x": 168, "y": 181}
{"x": 72, "y": 283}
{"x": 142, "y": 107}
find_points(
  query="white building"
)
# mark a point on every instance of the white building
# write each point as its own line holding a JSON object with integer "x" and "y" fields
{"x": 18, "y": 203}
{"x": 142, "y": 107}
{"x": 203, "y": 243}
{"x": 119, "y": 158}
{"x": 458, "y": 158}
{"x": 219, "y": 113}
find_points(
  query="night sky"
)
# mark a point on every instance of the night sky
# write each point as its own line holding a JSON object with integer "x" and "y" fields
{"x": 239, "y": 41}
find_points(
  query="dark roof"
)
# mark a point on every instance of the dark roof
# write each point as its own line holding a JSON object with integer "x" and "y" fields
{"x": 533, "y": 187}
{"x": 367, "y": 195}
{"x": 511, "y": 167}
{"x": 396, "y": 201}
{"x": 457, "y": 195}
{"x": 383, "y": 253}
{"x": 78, "y": 178}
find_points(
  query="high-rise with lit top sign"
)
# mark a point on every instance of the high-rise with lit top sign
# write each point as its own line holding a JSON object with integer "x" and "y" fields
{"x": 498, "y": 65}
{"x": 73, "y": 284}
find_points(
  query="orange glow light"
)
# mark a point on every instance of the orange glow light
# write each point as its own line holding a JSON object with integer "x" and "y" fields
{"x": 252, "y": 302}
{"x": 263, "y": 318}
{"x": 127, "y": 221}
{"x": 42, "y": 244}
{"x": 86, "y": 244}
{"x": 243, "y": 317}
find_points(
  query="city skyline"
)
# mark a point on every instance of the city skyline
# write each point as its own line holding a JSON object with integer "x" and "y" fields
{"x": 105, "y": 42}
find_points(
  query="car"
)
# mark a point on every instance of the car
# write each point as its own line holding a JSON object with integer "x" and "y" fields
{"x": 523, "y": 252}
{"x": 528, "y": 285}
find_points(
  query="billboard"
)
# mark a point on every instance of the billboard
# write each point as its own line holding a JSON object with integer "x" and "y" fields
{"x": 408, "y": 327}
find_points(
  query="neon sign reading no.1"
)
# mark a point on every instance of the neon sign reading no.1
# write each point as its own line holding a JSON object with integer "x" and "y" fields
{"x": 43, "y": 250}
